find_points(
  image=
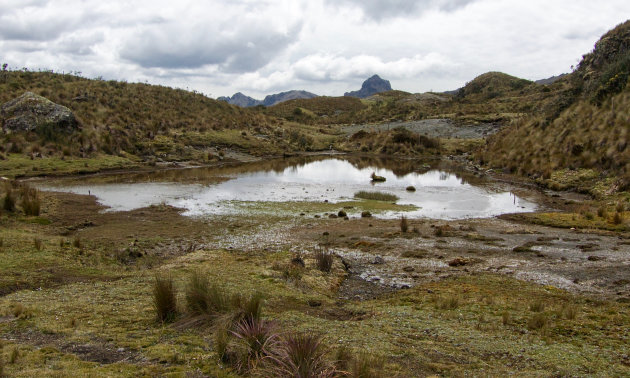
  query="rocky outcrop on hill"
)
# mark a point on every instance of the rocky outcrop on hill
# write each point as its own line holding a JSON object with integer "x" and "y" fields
{"x": 31, "y": 112}
{"x": 370, "y": 87}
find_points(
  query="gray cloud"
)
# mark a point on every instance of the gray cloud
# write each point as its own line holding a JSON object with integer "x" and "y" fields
{"x": 174, "y": 45}
{"x": 381, "y": 9}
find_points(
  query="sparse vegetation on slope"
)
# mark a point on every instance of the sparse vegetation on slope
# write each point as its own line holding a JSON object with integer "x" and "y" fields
{"x": 145, "y": 123}
{"x": 584, "y": 128}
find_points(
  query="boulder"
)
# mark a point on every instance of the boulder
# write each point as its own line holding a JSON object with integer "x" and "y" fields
{"x": 31, "y": 112}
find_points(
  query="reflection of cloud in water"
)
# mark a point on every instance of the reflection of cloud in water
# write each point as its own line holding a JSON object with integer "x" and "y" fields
{"x": 439, "y": 194}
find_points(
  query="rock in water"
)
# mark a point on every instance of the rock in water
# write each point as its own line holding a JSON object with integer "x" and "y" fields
{"x": 31, "y": 112}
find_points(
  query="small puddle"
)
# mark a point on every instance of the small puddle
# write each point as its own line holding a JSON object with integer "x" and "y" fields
{"x": 306, "y": 186}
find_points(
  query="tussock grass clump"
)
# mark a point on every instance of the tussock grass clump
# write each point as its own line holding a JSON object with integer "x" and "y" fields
{"x": 617, "y": 218}
{"x": 301, "y": 355}
{"x": 569, "y": 312}
{"x": 14, "y": 355}
{"x": 76, "y": 242}
{"x": 256, "y": 340}
{"x": 538, "y": 321}
{"x": 447, "y": 303}
{"x": 506, "y": 318}
{"x": 204, "y": 297}
{"x": 31, "y": 203}
{"x": 367, "y": 366}
{"x": 323, "y": 259}
{"x": 164, "y": 299}
{"x": 537, "y": 306}
{"x": 8, "y": 203}
{"x": 20, "y": 311}
{"x": 38, "y": 244}
{"x": 376, "y": 196}
{"x": 404, "y": 225}
{"x": 245, "y": 308}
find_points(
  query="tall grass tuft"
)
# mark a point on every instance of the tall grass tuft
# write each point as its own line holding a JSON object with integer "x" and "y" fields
{"x": 537, "y": 306}
{"x": 164, "y": 299}
{"x": 367, "y": 366}
{"x": 404, "y": 224}
{"x": 376, "y": 196}
{"x": 257, "y": 339}
{"x": 301, "y": 355}
{"x": 38, "y": 244}
{"x": 538, "y": 321}
{"x": 31, "y": 203}
{"x": 324, "y": 259}
{"x": 205, "y": 298}
{"x": 247, "y": 308}
{"x": 8, "y": 203}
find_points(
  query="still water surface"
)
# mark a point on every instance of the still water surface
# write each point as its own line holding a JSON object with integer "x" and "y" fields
{"x": 439, "y": 193}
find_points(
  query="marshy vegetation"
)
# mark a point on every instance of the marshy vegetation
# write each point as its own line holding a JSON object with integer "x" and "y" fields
{"x": 376, "y": 196}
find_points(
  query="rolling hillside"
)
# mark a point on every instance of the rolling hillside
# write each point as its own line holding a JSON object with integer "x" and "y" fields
{"x": 581, "y": 135}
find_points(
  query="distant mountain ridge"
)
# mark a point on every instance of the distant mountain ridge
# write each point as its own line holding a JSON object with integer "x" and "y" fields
{"x": 244, "y": 101}
{"x": 370, "y": 87}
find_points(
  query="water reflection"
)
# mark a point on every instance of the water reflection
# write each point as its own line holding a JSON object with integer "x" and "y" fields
{"x": 440, "y": 193}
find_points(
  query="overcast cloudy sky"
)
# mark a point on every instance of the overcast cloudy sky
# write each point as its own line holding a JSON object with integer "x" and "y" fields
{"x": 328, "y": 47}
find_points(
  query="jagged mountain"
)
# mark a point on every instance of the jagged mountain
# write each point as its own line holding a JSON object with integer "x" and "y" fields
{"x": 286, "y": 96}
{"x": 241, "y": 100}
{"x": 550, "y": 80}
{"x": 370, "y": 87}
{"x": 244, "y": 101}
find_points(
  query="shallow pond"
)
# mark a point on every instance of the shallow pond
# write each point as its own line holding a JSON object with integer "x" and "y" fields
{"x": 303, "y": 187}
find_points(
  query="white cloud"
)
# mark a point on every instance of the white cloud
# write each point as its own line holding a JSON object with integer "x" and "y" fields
{"x": 260, "y": 47}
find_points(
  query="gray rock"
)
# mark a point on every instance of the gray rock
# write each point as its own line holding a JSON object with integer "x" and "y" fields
{"x": 31, "y": 112}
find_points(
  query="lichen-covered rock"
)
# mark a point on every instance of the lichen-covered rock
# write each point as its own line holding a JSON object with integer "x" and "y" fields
{"x": 31, "y": 112}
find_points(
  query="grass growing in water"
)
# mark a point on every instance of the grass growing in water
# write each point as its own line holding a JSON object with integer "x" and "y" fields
{"x": 376, "y": 196}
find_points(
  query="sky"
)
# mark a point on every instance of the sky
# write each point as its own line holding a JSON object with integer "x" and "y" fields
{"x": 219, "y": 47}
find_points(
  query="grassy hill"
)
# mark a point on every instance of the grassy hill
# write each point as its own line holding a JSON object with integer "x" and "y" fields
{"x": 142, "y": 122}
{"x": 580, "y": 132}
